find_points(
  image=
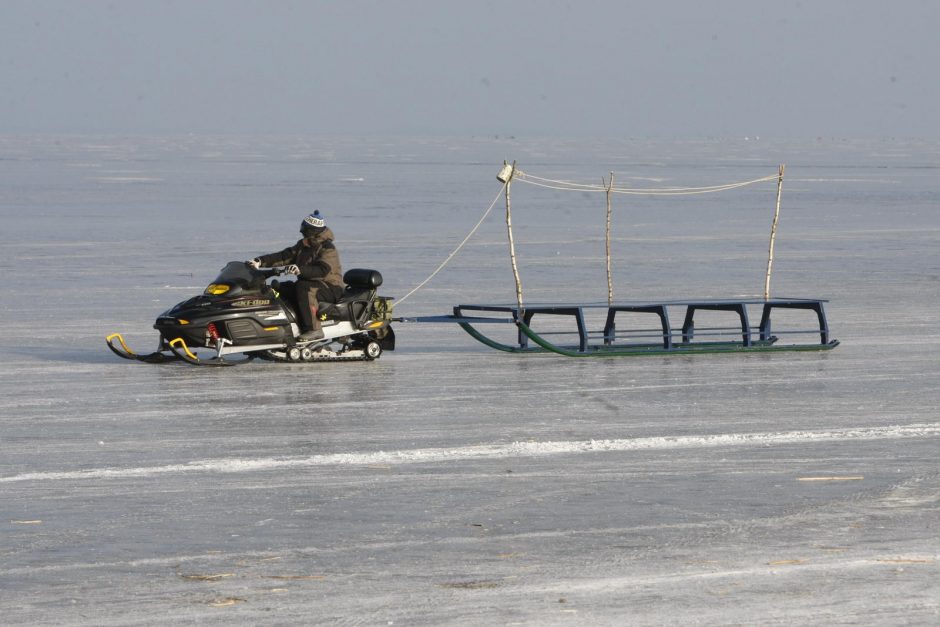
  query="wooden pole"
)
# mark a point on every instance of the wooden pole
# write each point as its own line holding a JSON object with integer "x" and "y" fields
{"x": 610, "y": 283}
{"x": 512, "y": 245}
{"x": 773, "y": 234}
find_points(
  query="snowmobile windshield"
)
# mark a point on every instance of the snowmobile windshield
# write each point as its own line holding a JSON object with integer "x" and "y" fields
{"x": 236, "y": 274}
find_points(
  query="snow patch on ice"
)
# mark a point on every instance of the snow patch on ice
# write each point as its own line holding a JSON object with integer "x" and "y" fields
{"x": 492, "y": 451}
{"x": 126, "y": 179}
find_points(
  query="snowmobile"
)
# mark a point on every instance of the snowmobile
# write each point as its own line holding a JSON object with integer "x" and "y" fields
{"x": 241, "y": 313}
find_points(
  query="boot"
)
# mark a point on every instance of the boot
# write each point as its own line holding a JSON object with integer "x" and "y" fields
{"x": 315, "y": 332}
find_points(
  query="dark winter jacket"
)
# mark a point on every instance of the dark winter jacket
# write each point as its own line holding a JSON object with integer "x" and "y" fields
{"x": 316, "y": 257}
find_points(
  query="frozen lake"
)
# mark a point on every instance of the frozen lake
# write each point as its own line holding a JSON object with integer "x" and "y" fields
{"x": 447, "y": 483}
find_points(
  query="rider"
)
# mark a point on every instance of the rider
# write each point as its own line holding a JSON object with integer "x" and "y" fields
{"x": 314, "y": 260}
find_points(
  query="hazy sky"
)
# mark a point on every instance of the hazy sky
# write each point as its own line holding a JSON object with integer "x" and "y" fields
{"x": 657, "y": 68}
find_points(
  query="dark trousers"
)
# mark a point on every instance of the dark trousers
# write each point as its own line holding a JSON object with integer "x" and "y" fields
{"x": 306, "y": 297}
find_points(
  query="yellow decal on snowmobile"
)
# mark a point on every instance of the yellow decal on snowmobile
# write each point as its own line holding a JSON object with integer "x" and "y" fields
{"x": 217, "y": 288}
{"x": 374, "y": 325}
{"x": 256, "y": 302}
{"x": 181, "y": 321}
{"x": 121, "y": 340}
{"x": 271, "y": 328}
{"x": 180, "y": 341}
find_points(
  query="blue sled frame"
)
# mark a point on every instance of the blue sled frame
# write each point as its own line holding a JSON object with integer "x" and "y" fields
{"x": 610, "y": 341}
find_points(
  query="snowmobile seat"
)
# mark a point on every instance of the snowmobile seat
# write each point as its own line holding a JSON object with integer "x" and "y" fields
{"x": 360, "y": 289}
{"x": 362, "y": 279}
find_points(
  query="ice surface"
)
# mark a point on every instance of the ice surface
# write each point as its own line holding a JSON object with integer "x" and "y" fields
{"x": 447, "y": 483}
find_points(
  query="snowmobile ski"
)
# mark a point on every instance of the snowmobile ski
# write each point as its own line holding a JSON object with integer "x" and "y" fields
{"x": 156, "y": 357}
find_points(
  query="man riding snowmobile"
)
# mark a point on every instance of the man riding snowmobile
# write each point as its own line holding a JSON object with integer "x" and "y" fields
{"x": 314, "y": 260}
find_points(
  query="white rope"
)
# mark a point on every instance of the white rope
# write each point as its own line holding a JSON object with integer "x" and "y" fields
{"x": 519, "y": 175}
{"x": 531, "y": 178}
{"x": 456, "y": 250}
{"x": 653, "y": 191}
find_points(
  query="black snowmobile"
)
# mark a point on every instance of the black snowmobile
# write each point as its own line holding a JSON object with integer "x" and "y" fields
{"x": 240, "y": 313}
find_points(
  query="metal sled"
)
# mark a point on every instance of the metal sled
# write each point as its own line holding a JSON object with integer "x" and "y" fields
{"x": 578, "y": 340}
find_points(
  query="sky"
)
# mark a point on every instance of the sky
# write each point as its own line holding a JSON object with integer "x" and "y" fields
{"x": 550, "y": 68}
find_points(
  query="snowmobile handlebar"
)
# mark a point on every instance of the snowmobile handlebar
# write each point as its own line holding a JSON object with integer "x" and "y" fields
{"x": 272, "y": 272}
{"x": 268, "y": 272}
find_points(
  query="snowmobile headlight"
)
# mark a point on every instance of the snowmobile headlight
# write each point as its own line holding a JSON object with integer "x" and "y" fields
{"x": 217, "y": 289}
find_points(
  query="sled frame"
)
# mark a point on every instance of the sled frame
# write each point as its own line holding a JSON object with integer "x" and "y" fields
{"x": 664, "y": 339}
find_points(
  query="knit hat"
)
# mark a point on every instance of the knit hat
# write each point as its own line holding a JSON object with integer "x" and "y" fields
{"x": 313, "y": 223}
{"x": 315, "y": 220}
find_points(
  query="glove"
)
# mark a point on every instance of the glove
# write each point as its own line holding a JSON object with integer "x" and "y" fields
{"x": 254, "y": 263}
{"x": 292, "y": 269}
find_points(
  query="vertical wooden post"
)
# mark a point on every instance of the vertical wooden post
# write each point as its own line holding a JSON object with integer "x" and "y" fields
{"x": 610, "y": 282}
{"x": 512, "y": 245}
{"x": 773, "y": 234}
